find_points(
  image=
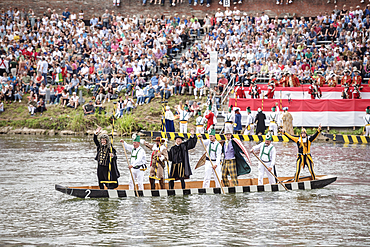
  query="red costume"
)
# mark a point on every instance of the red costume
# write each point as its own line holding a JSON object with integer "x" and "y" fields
{"x": 292, "y": 81}
{"x": 356, "y": 91}
{"x": 320, "y": 80}
{"x": 347, "y": 93}
{"x": 270, "y": 91}
{"x": 315, "y": 91}
{"x": 254, "y": 91}
{"x": 346, "y": 80}
{"x": 357, "y": 79}
{"x": 332, "y": 82}
{"x": 209, "y": 118}
{"x": 239, "y": 91}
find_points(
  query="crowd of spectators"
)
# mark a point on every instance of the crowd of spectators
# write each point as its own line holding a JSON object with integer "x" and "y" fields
{"x": 137, "y": 56}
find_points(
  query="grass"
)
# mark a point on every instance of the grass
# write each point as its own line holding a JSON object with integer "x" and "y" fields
{"x": 57, "y": 118}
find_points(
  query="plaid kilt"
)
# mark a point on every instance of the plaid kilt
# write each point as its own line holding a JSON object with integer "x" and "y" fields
{"x": 229, "y": 168}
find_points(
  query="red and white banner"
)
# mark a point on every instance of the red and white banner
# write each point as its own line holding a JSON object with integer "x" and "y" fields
{"x": 311, "y": 112}
{"x": 302, "y": 92}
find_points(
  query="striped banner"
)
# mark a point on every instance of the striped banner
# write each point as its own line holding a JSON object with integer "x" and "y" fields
{"x": 348, "y": 138}
{"x": 256, "y": 138}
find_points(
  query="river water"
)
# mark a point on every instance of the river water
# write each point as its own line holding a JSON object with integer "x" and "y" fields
{"x": 33, "y": 213}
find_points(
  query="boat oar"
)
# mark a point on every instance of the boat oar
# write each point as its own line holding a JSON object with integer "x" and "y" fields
{"x": 132, "y": 176}
{"x": 270, "y": 171}
{"x": 201, "y": 140}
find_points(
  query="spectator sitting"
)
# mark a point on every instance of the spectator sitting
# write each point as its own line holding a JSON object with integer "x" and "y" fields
{"x": 42, "y": 91}
{"x": 73, "y": 101}
{"x": 18, "y": 94}
{"x": 8, "y": 93}
{"x": 194, "y": 108}
{"x": 151, "y": 93}
{"x": 99, "y": 106}
{"x": 32, "y": 104}
{"x": 139, "y": 96}
{"x": 129, "y": 104}
{"x": 101, "y": 95}
{"x": 40, "y": 106}
{"x": 120, "y": 107}
{"x": 65, "y": 97}
{"x": 165, "y": 91}
{"x": 89, "y": 108}
{"x": 1, "y": 106}
{"x": 109, "y": 94}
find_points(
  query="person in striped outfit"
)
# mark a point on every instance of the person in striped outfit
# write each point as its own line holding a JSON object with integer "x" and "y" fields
{"x": 304, "y": 151}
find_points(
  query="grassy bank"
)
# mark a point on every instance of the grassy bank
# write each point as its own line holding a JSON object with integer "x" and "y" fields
{"x": 57, "y": 118}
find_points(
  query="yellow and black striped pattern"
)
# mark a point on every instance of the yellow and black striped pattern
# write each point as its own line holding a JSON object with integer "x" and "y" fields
{"x": 349, "y": 138}
{"x": 256, "y": 138}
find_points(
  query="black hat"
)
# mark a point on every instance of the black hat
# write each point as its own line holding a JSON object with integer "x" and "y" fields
{"x": 177, "y": 136}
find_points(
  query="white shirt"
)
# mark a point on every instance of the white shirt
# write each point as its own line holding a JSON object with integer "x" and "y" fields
{"x": 139, "y": 153}
{"x": 249, "y": 119}
{"x": 184, "y": 115}
{"x": 367, "y": 119}
{"x": 44, "y": 67}
{"x": 200, "y": 120}
{"x": 229, "y": 117}
{"x": 269, "y": 153}
{"x": 216, "y": 150}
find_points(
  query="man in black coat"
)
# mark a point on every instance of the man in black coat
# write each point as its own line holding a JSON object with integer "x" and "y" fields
{"x": 108, "y": 173}
{"x": 260, "y": 121}
{"x": 179, "y": 156}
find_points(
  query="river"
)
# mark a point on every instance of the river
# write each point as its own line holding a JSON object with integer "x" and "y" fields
{"x": 33, "y": 213}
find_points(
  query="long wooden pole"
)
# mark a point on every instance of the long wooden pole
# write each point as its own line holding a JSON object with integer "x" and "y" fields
{"x": 132, "y": 176}
{"x": 205, "y": 149}
{"x": 270, "y": 171}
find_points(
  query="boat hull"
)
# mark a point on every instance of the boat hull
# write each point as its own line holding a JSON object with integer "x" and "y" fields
{"x": 94, "y": 192}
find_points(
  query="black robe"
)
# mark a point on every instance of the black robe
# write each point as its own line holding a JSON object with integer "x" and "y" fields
{"x": 260, "y": 120}
{"x": 103, "y": 169}
{"x": 179, "y": 156}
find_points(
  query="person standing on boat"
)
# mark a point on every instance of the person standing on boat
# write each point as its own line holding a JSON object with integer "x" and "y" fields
{"x": 229, "y": 120}
{"x": 304, "y": 151}
{"x": 107, "y": 172}
{"x": 199, "y": 123}
{"x": 137, "y": 162}
{"x": 179, "y": 156}
{"x": 234, "y": 163}
{"x": 157, "y": 163}
{"x": 214, "y": 150}
{"x": 367, "y": 121}
{"x": 249, "y": 129}
{"x": 267, "y": 153}
{"x": 184, "y": 117}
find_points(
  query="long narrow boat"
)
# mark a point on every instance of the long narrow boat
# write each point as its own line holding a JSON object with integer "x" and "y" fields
{"x": 256, "y": 138}
{"x": 348, "y": 138}
{"x": 195, "y": 187}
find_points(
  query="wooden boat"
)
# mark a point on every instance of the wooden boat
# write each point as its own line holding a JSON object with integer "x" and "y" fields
{"x": 348, "y": 138}
{"x": 256, "y": 138}
{"x": 195, "y": 187}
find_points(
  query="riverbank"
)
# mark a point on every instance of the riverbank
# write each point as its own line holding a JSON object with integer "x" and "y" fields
{"x": 58, "y": 120}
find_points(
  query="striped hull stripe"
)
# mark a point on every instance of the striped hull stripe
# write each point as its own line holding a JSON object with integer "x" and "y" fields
{"x": 95, "y": 193}
{"x": 256, "y": 138}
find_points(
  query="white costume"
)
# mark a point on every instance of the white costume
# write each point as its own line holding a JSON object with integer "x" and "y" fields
{"x": 367, "y": 124}
{"x": 268, "y": 156}
{"x": 249, "y": 130}
{"x": 184, "y": 117}
{"x": 138, "y": 162}
{"x": 214, "y": 152}
{"x": 200, "y": 125}
{"x": 229, "y": 122}
{"x": 274, "y": 120}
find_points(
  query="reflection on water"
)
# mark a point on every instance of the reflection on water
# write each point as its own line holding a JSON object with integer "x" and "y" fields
{"x": 32, "y": 212}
